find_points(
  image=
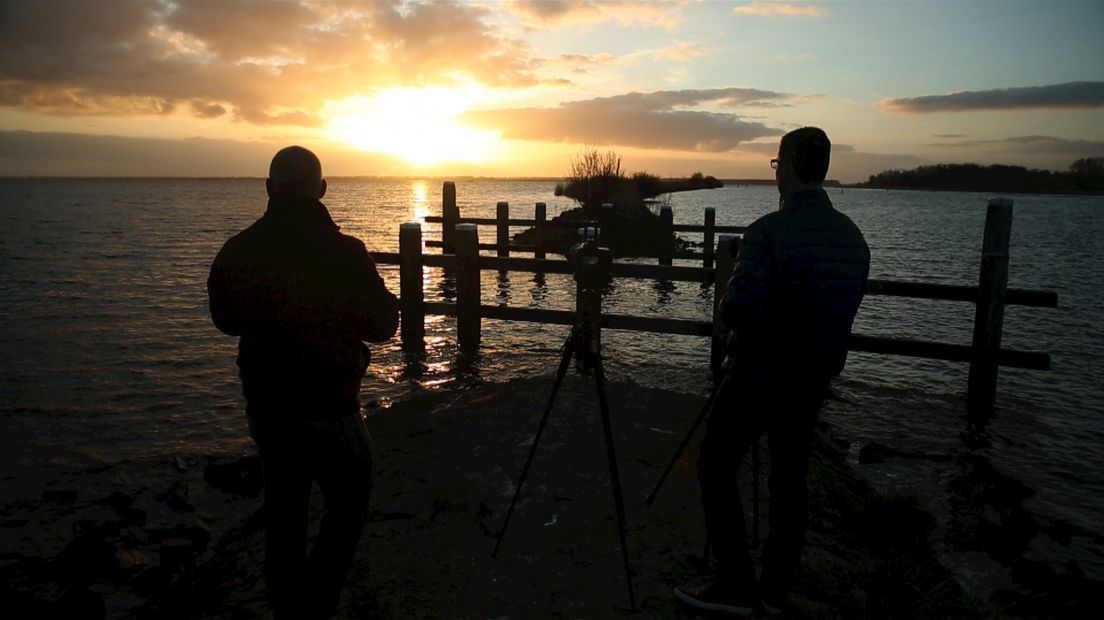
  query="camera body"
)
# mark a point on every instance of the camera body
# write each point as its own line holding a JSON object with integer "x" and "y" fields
{"x": 590, "y": 260}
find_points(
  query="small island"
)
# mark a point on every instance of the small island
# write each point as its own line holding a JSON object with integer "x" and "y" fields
{"x": 629, "y": 227}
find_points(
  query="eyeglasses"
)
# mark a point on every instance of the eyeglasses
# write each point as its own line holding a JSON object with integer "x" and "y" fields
{"x": 774, "y": 164}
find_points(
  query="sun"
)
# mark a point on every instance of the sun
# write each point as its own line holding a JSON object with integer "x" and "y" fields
{"x": 416, "y": 124}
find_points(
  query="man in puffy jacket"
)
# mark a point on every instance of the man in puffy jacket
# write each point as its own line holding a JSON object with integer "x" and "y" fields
{"x": 798, "y": 282}
{"x": 303, "y": 298}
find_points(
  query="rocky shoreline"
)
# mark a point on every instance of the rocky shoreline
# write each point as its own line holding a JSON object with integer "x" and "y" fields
{"x": 183, "y": 537}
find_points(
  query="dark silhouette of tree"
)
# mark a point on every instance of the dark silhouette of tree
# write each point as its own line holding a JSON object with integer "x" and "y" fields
{"x": 1084, "y": 175}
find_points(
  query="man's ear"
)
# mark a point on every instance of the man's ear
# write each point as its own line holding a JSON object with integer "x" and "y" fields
{"x": 321, "y": 189}
{"x": 269, "y": 186}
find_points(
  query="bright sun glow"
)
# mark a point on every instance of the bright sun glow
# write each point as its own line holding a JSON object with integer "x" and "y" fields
{"x": 416, "y": 124}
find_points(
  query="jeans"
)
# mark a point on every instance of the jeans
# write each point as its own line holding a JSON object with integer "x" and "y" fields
{"x": 337, "y": 454}
{"x": 743, "y": 413}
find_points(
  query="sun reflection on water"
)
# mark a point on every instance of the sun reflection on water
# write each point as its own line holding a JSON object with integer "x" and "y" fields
{"x": 420, "y": 203}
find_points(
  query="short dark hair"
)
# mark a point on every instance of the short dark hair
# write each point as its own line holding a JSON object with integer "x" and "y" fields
{"x": 808, "y": 150}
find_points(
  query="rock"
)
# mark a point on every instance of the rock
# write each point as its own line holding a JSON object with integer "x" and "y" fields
{"x": 241, "y": 477}
{"x": 80, "y": 602}
{"x": 134, "y": 516}
{"x": 174, "y": 552}
{"x": 86, "y": 557}
{"x": 118, "y": 501}
{"x": 151, "y": 579}
{"x": 60, "y": 496}
{"x": 130, "y": 559}
{"x": 875, "y": 452}
{"x": 176, "y": 497}
{"x": 197, "y": 532}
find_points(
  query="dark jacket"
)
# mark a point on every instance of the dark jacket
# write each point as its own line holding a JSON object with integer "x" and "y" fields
{"x": 792, "y": 299}
{"x": 303, "y": 297}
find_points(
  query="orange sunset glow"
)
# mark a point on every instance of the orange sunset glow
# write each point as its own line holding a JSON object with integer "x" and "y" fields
{"x": 154, "y": 88}
{"x": 418, "y": 125}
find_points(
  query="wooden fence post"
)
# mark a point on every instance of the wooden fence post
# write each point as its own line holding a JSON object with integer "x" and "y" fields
{"x": 411, "y": 294}
{"x": 666, "y": 232}
{"x": 539, "y": 230}
{"x": 503, "y": 228}
{"x": 707, "y": 237}
{"x": 989, "y": 314}
{"x": 725, "y": 263}
{"x": 468, "y": 291}
{"x": 451, "y": 215}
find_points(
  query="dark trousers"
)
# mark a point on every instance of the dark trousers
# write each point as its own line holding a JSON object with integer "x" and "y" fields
{"x": 337, "y": 454}
{"x": 743, "y": 413}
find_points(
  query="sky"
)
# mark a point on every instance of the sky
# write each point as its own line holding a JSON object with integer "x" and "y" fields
{"x": 519, "y": 88}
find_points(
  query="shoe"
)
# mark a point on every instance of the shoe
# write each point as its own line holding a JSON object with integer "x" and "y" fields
{"x": 774, "y": 609}
{"x": 715, "y": 598}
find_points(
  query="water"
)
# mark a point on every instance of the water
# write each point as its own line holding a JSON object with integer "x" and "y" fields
{"x": 107, "y": 351}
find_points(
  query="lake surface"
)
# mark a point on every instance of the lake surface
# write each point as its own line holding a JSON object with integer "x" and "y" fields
{"x": 107, "y": 351}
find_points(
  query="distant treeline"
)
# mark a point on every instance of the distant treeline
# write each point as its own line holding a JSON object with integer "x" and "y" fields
{"x": 1084, "y": 175}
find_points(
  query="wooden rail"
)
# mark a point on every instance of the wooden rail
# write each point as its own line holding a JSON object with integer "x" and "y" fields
{"x": 984, "y": 354}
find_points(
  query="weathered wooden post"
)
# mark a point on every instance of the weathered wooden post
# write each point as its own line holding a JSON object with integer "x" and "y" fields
{"x": 411, "y": 294}
{"x": 707, "y": 237}
{"x": 451, "y": 216}
{"x": 666, "y": 232}
{"x": 989, "y": 314}
{"x": 502, "y": 213}
{"x": 539, "y": 230}
{"x": 468, "y": 291}
{"x": 725, "y": 263}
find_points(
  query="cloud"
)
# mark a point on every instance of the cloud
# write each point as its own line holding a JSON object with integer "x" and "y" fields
{"x": 1071, "y": 95}
{"x": 680, "y": 51}
{"x": 570, "y": 13}
{"x": 1049, "y": 145}
{"x": 265, "y": 63}
{"x": 948, "y": 136}
{"x": 206, "y": 109}
{"x": 780, "y": 9}
{"x": 656, "y": 120}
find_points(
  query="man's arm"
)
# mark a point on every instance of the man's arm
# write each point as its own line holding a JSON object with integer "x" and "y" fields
{"x": 375, "y": 310}
{"x": 746, "y": 300}
{"x": 221, "y": 297}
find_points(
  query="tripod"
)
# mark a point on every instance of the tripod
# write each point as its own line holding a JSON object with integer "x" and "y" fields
{"x": 583, "y": 344}
{"x": 705, "y": 412}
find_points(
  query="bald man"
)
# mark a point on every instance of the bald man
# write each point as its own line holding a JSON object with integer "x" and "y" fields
{"x": 303, "y": 298}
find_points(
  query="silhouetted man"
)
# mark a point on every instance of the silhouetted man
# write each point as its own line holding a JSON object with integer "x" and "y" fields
{"x": 303, "y": 298}
{"x": 799, "y": 279}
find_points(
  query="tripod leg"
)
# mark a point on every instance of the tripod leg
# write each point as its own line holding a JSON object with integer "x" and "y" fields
{"x": 706, "y": 410}
{"x": 565, "y": 361}
{"x": 615, "y": 476}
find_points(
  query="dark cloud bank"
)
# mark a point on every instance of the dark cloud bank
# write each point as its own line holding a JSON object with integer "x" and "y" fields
{"x": 1071, "y": 95}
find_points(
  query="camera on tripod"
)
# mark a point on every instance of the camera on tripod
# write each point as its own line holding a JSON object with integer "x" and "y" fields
{"x": 590, "y": 261}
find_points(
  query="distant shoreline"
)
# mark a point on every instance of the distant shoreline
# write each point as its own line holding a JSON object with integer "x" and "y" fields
{"x": 727, "y": 182}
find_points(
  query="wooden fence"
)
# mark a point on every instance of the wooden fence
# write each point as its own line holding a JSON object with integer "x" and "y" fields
{"x": 460, "y": 241}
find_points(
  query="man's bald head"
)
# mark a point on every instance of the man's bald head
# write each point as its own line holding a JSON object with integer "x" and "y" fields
{"x": 296, "y": 170}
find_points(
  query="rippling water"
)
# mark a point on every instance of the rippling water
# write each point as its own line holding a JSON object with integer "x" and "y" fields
{"x": 107, "y": 351}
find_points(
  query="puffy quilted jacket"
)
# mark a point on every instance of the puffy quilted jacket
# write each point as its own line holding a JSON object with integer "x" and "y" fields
{"x": 798, "y": 282}
{"x": 303, "y": 297}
